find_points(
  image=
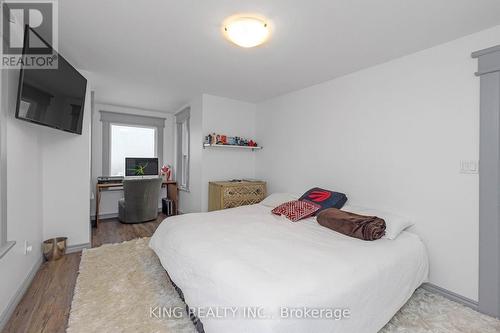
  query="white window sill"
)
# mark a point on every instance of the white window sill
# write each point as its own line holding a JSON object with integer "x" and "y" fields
{"x": 184, "y": 189}
{"x": 5, "y": 248}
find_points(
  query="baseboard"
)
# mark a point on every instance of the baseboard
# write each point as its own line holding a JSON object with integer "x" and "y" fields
{"x": 104, "y": 216}
{"x": 77, "y": 247}
{"x": 11, "y": 307}
{"x": 451, "y": 295}
{"x": 111, "y": 215}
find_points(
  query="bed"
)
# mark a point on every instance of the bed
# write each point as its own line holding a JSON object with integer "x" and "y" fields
{"x": 259, "y": 265}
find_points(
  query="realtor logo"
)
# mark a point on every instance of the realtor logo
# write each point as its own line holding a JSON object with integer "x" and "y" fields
{"x": 29, "y": 33}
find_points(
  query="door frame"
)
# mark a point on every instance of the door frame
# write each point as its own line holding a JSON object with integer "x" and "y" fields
{"x": 489, "y": 180}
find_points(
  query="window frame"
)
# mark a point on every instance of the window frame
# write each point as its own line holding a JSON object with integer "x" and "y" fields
{"x": 5, "y": 245}
{"x": 155, "y": 148}
{"x": 108, "y": 118}
{"x": 183, "y": 118}
{"x": 489, "y": 180}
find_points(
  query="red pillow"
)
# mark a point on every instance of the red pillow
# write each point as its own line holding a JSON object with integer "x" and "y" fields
{"x": 296, "y": 210}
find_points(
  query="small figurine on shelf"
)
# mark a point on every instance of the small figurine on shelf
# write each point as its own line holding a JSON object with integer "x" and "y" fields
{"x": 222, "y": 139}
{"x": 166, "y": 172}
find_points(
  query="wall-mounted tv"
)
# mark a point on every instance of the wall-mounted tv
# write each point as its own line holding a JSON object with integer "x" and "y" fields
{"x": 51, "y": 97}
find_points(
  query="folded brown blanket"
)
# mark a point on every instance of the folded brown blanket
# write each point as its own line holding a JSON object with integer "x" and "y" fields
{"x": 354, "y": 225}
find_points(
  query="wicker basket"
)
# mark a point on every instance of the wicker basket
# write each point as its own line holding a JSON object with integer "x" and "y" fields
{"x": 55, "y": 248}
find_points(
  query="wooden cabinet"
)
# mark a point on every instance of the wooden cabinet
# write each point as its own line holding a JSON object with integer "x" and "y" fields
{"x": 222, "y": 195}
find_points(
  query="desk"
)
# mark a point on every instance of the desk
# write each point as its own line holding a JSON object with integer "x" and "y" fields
{"x": 172, "y": 194}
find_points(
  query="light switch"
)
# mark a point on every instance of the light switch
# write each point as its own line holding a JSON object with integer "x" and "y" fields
{"x": 469, "y": 167}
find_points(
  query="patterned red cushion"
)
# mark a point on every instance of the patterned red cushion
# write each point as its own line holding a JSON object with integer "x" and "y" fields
{"x": 296, "y": 210}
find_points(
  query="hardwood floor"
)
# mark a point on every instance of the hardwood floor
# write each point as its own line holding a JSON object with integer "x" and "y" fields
{"x": 45, "y": 306}
{"x": 112, "y": 231}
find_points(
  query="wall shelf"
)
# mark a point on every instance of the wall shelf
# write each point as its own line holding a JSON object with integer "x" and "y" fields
{"x": 207, "y": 145}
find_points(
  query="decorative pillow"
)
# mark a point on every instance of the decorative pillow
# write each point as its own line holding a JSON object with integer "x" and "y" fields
{"x": 395, "y": 224}
{"x": 296, "y": 210}
{"x": 324, "y": 198}
{"x": 276, "y": 199}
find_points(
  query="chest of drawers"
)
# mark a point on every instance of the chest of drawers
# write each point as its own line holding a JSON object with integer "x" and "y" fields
{"x": 222, "y": 195}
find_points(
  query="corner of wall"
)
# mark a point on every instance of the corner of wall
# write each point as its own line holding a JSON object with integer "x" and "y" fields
{"x": 22, "y": 208}
{"x": 205, "y": 110}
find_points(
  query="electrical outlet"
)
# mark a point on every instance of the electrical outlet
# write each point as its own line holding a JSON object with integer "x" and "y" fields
{"x": 27, "y": 247}
{"x": 469, "y": 167}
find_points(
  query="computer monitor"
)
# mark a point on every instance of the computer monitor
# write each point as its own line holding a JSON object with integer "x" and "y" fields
{"x": 141, "y": 166}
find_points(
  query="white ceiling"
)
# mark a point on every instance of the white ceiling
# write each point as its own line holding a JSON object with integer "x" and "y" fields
{"x": 157, "y": 54}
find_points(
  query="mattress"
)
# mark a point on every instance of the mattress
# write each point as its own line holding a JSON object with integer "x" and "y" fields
{"x": 247, "y": 270}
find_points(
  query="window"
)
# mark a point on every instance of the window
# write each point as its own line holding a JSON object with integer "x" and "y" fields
{"x": 3, "y": 219}
{"x": 129, "y": 135}
{"x": 5, "y": 246}
{"x": 130, "y": 141}
{"x": 185, "y": 154}
{"x": 182, "y": 120}
{"x": 3, "y": 223}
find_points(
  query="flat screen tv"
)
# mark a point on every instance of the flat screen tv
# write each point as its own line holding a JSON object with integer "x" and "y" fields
{"x": 51, "y": 97}
{"x": 141, "y": 166}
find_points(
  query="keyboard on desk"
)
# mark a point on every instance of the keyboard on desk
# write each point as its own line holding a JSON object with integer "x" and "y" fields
{"x": 110, "y": 180}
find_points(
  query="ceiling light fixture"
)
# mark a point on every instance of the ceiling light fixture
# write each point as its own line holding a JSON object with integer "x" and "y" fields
{"x": 246, "y": 31}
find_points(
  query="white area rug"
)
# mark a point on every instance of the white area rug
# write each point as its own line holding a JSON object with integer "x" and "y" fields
{"x": 116, "y": 288}
{"x": 427, "y": 312}
{"x": 120, "y": 284}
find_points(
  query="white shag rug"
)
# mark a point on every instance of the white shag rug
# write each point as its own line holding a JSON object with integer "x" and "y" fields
{"x": 119, "y": 286}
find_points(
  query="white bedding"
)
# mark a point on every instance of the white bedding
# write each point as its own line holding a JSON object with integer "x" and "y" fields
{"x": 247, "y": 257}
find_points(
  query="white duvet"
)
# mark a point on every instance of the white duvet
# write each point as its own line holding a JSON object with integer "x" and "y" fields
{"x": 237, "y": 264}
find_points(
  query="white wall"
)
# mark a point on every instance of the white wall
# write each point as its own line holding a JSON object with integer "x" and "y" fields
{"x": 66, "y": 181}
{"x": 221, "y": 115}
{"x": 391, "y": 137}
{"x": 48, "y": 181}
{"x": 109, "y": 199}
{"x": 233, "y": 118}
{"x": 24, "y": 191}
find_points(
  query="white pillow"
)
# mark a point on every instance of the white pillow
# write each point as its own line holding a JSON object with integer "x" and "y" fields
{"x": 394, "y": 224}
{"x": 276, "y": 199}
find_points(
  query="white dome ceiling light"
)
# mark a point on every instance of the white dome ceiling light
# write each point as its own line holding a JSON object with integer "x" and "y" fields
{"x": 246, "y": 31}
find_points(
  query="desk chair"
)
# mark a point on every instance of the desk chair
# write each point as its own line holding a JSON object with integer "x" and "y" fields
{"x": 140, "y": 202}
